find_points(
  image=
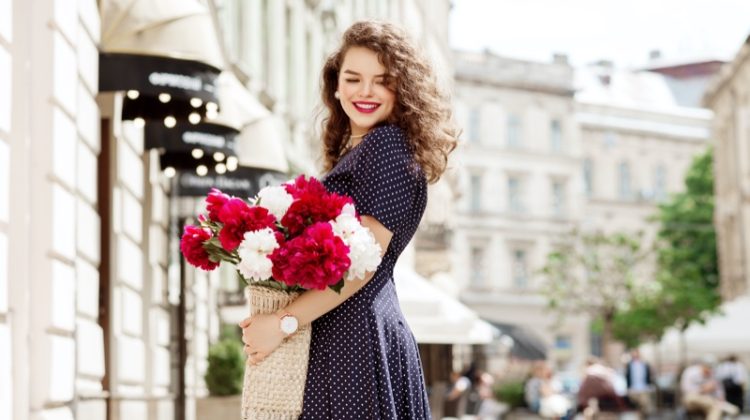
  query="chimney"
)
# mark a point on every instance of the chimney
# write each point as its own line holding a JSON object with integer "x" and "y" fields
{"x": 654, "y": 55}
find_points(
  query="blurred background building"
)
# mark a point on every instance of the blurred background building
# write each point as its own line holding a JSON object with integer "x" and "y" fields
{"x": 549, "y": 149}
{"x": 520, "y": 172}
{"x": 729, "y": 99}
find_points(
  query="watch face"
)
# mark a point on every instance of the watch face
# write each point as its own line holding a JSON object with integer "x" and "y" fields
{"x": 289, "y": 324}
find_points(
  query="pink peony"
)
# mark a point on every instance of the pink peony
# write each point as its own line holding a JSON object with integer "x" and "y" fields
{"x": 191, "y": 246}
{"x": 310, "y": 208}
{"x": 304, "y": 185}
{"x": 215, "y": 202}
{"x": 314, "y": 260}
{"x": 238, "y": 218}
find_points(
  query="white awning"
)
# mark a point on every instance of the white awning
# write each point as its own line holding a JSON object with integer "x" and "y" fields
{"x": 180, "y": 29}
{"x": 723, "y": 334}
{"x": 434, "y": 316}
{"x": 261, "y": 144}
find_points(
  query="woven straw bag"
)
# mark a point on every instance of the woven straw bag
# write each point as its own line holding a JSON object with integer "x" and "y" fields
{"x": 273, "y": 390}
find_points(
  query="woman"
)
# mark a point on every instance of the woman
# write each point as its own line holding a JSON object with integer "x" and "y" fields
{"x": 387, "y": 134}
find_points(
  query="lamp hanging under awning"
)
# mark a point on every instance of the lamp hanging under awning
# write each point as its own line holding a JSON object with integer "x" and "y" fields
{"x": 244, "y": 182}
{"x": 198, "y": 147}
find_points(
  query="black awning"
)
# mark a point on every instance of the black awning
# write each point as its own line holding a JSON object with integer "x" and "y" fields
{"x": 160, "y": 87}
{"x": 244, "y": 182}
{"x": 526, "y": 344}
{"x": 151, "y": 75}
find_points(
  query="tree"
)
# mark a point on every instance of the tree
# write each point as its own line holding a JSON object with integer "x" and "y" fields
{"x": 644, "y": 318}
{"x": 688, "y": 260}
{"x": 594, "y": 274}
{"x": 686, "y": 286}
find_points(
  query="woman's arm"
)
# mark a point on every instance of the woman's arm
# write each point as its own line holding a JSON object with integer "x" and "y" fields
{"x": 261, "y": 333}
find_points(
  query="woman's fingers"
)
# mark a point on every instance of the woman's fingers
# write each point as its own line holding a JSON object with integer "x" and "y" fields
{"x": 246, "y": 322}
{"x": 255, "y": 358}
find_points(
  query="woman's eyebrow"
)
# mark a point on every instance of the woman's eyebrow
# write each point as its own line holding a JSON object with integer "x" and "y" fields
{"x": 357, "y": 74}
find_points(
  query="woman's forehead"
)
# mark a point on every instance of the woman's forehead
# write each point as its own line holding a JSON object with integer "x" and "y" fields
{"x": 362, "y": 61}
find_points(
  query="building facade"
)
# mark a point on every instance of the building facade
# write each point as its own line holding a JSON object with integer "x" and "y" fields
{"x": 521, "y": 188}
{"x": 638, "y": 144}
{"x": 548, "y": 150}
{"x": 729, "y": 98}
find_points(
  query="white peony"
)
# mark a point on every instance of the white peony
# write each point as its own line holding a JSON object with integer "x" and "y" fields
{"x": 276, "y": 200}
{"x": 254, "y": 251}
{"x": 364, "y": 249}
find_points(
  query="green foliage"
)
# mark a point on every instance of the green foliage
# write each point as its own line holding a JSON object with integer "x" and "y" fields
{"x": 644, "y": 319}
{"x": 226, "y": 367}
{"x": 511, "y": 393}
{"x": 230, "y": 332}
{"x": 687, "y": 280}
{"x": 688, "y": 257}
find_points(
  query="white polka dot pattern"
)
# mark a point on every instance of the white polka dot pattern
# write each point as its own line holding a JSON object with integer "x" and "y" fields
{"x": 364, "y": 361}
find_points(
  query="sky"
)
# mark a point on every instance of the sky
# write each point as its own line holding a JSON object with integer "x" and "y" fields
{"x": 624, "y": 31}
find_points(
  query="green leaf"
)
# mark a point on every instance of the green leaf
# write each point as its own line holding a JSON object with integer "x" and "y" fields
{"x": 338, "y": 286}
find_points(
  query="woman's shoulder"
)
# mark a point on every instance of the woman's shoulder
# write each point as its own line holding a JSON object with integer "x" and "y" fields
{"x": 388, "y": 134}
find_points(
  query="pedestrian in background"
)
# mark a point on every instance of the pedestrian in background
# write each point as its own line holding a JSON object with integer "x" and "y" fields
{"x": 732, "y": 375}
{"x": 701, "y": 391}
{"x": 638, "y": 376}
{"x": 597, "y": 391}
{"x": 543, "y": 394}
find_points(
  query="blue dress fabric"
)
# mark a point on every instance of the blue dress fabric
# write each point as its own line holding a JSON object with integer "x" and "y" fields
{"x": 364, "y": 361}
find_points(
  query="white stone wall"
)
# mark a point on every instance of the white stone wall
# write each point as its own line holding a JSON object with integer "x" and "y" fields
{"x": 6, "y": 82}
{"x": 49, "y": 141}
{"x": 157, "y": 317}
{"x": 140, "y": 375}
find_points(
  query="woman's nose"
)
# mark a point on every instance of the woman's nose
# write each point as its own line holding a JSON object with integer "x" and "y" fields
{"x": 366, "y": 89}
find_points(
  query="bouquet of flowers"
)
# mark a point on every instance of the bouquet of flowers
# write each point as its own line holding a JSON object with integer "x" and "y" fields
{"x": 287, "y": 239}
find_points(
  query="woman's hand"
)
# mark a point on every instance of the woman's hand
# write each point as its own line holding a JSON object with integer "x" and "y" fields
{"x": 261, "y": 335}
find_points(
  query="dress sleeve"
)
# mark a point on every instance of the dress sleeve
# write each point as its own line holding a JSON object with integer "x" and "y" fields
{"x": 385, "y": 177}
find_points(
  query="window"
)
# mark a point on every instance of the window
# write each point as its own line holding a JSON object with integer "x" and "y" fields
{"x": 474, "y": 125}
{"x": 558, "y": 198}
{"x": 625, "y": 187}
{"x": 660, "y": 183}
{"x": 514, "y": 131}
{"x": 563, "y": 342}
{"x": 520, "y": 269}
{"x": 555, "y": 136}
{"x": 475, "y": 196}
{"x": 515, "y": 202}
{"x": 588, "y": 177}
{"x": 609, "y": 139}
{"x": 477, "y": 266}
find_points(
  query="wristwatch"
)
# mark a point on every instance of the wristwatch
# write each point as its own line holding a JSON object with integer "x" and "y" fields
{"x": 288, "y": 323}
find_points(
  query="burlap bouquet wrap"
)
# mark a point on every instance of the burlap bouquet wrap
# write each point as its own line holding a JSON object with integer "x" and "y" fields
{"x": 273, "y": 390}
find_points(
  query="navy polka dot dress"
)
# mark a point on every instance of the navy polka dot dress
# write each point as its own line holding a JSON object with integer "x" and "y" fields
{"x": 364, "y": 361}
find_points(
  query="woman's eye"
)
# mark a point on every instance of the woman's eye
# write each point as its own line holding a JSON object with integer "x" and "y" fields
{"x": 352, "y": 80}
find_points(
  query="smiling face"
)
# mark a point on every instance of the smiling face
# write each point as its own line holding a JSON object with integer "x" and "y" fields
{"x": 364, "y": 90}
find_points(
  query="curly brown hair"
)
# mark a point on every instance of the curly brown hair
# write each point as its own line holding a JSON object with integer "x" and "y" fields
{"x": 422, "y": 110}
